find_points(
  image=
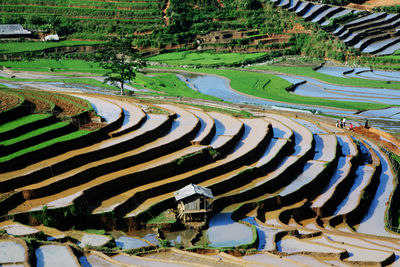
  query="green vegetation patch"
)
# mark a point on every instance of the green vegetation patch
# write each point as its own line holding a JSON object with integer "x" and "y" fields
{"x": 51, "y": 65}
{"x": 34, "y": 133}
{"x": 63, "y": 138}
{"x": 22, "y": 121}
{"x": 204, "y": 58}
{"x": 309, "y": 72}
{"x": 170, "y": 84}
{"x": 17, "y": 47}
{"x": 167, "y": 216}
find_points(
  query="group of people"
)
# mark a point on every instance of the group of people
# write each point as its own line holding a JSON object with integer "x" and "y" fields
{"x": 342, "y": 124}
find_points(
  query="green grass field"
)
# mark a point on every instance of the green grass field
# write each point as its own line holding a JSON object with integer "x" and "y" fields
{"x": 204, "y": 58}
{"x": 18, "y": 47}
{"x": 22, "y": 121}
{"x": 171, "y": 85}
{"x": 67, "y": 137}
{"x": 51, "y": 65}
{"x": 309, "y": 72}
{"x": 33, "y": 133}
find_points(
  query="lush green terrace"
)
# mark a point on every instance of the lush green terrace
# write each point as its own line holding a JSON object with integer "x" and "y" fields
{"x": 204, "y": 58}
{"x": 17, "y": 47}
{"x": 50, "y": 142}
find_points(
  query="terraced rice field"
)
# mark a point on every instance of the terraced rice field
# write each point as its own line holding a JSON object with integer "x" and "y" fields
{"x": 300, "y": 191}
{"x": 373, "y": 33}
{"x": 104, "y": 16}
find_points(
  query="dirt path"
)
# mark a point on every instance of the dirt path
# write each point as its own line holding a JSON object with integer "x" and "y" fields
{"x": 374, "y": 3}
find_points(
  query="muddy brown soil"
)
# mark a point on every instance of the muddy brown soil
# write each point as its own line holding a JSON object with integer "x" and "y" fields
{"x": 377, "y": 139}
{"x": 39, "y": 103}
{"x": 374, "y": 3}
{"x": 8, "y": 101}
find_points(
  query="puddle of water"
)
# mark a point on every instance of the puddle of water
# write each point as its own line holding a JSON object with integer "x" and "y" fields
{"x": 319, "y": 145}
{"x": 294, "y": 245}
{"x": 126, "y": 242}
{"x": 18, "y": 229}
{"x": 266, "y": 235}
{"x": 306, "y": 176}
{"x": 146, "y": 234}
{"x": 11, "y": 252}
{"x": 333, "y": 70}
{"x": 220, "y": 232}
{"x": 298, "y": 138}
{"x": 385, "y": 113}
{"x": 344, "y": 146}
{"x": 109, "y": 111}
{"x": 93, "y": 240}
{"x": 182, "y": 237}
{"x": 93, "y": 260}
{"x": 54, "y": 255}
{"x": 311, "y": 126}
{"x": 10, "y": 85}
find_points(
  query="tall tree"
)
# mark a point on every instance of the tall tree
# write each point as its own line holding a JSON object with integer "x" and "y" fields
{"x": 121, "y": 61}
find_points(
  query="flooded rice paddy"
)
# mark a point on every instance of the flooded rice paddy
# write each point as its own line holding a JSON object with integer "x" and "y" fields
{"x": 219, "y": 87}
{"x": 11, "y": 252}
{"x": 375, "y": 218}
{"x": 126, "y": 242}
{"x": 219, "y": 233}
{"x": 54, "y": 255}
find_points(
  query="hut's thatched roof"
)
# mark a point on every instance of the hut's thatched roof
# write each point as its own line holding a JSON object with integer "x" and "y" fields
{"x": 192, "y": 189}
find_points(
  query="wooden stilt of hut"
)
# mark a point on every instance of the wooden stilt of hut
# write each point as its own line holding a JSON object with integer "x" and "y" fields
{"x": 194, "y": 204}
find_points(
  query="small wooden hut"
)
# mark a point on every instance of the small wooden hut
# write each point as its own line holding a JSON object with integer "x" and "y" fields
{"x": 194, "y": 203}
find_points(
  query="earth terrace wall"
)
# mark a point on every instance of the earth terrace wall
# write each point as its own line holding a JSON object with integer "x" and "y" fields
{"x": 387, "y": 45}
{"x": 231, "y": 143}
{"x": 358, "y": 213}
{"x": 312, "y": 189}
{"x": 244, "y": 177}
{"x": 241, "y": 179}
{"x": 124, "y": 181}
{"x": 78, "y": 160}
{"x": 350, "y": 24}
{"x": 130, "y": 129}
{"x": 339, "y": 255}
{"x": 283, "y": 179}
{"x": 340, "y": 193}
{"x": 9, "y": 203}
{"x": 355, "y": 216}
{"x": 308, "y": 191}
{"x": 168, "y": 203}
{"x": 376, "y": 39}
{"x": 110, "y": 167}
